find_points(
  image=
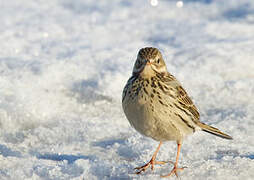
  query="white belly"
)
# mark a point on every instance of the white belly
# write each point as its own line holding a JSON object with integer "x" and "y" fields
{"x": 154, "y": 120}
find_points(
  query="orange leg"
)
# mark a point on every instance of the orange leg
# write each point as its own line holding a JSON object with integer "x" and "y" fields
{"x": 175, "y": 169}
{"x": 152, "y": 162}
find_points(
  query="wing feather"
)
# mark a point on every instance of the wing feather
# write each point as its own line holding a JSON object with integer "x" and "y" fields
{"x": 183, "y": 99}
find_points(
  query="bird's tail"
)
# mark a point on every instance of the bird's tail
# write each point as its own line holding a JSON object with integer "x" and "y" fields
{"x": 213, "y": 131}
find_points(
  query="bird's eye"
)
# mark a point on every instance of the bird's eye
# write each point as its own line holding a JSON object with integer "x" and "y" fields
{"x": 158, "y": 61}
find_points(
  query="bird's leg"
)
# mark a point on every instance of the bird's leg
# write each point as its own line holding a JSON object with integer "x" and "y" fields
{"x": 175, "y": 169}
{"x": 152, "y": 162}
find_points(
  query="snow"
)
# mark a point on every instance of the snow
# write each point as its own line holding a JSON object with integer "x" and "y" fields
{"x": 63, "y": 65}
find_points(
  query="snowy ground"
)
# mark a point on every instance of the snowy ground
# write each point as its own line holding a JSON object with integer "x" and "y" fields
{"x": 63, "y": 65}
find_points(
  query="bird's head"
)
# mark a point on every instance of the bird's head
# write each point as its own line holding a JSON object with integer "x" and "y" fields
{"x": 149, "y": 62}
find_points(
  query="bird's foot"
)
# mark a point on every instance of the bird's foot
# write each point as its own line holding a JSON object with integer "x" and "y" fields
{"x": 174, "y": 171}
{"x": 151, "y": 163}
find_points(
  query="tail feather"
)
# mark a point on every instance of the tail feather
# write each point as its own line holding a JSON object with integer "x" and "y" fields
{"x": 214, "y": 131}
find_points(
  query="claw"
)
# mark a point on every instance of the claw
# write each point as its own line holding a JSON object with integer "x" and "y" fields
{"x": 174, "y": 171}
{"x": 150, "y": 163}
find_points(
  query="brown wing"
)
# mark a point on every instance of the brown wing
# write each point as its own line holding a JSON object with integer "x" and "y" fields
{"x": 181, "y": 95}
{"x": 186, "y": 102}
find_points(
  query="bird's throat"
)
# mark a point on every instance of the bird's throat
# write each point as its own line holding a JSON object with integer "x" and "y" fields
{"x": 147, "y": 71}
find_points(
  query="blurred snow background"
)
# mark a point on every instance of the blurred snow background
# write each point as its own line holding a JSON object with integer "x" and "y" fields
{"x": 63, "y": 65}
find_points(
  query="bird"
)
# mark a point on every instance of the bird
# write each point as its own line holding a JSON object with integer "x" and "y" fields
{"x": 157, "y": 106}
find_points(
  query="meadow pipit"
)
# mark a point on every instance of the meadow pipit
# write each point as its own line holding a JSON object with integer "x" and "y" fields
{"x": 157, "y": 106}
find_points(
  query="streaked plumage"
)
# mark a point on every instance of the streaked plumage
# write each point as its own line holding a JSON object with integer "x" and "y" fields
{"x": 157, "y": 106}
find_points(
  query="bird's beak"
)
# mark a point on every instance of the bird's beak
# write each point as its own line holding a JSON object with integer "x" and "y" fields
{"x": 148, "y": 62}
